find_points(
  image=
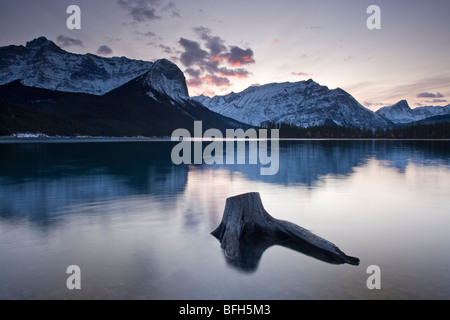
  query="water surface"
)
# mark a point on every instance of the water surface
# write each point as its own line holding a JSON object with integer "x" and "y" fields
{"x": 139, "y": 226}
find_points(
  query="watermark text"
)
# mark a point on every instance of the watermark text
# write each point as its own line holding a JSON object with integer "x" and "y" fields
{"x": 213, "y": 153}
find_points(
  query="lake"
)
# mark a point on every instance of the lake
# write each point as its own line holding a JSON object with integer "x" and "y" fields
{"x": 139, "y": 227}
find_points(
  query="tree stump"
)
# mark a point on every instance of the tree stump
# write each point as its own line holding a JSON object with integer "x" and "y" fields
{"x": 247, "y": 230}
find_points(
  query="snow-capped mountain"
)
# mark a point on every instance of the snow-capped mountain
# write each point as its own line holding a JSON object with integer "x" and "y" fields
{"x": 304, "y": 104}
{"x": 42, "y": 64}
{"x": 401, "y": 112}
{"x": 46, "y": 90}
{"x": 165, "y": 77}
{"x": 137, "y": 108}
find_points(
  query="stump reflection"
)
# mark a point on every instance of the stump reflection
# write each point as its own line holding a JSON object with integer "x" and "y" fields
{"x": 247, "y": 230}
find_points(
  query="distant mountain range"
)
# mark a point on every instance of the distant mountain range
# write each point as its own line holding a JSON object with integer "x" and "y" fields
{"x": 401, "y": 113}
{"x": 48, "y": 90}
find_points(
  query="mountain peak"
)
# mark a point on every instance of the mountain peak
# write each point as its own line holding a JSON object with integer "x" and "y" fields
{"x": 38, "y": 42}
{"x": 42, "y": 43}
{"x": 401, "y": 112}
{"x": 311, "y": 82}
{"x": 165, "y": 77}
{"x": 165, "y": 63}
{"x": 403, "y": 103}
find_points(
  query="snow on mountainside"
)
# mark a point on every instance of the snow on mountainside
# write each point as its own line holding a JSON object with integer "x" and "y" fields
{"x": 42, "y": 64}
{"x": 165, "y": 77}
{"x": 303, "y": 104}
{"x": 401, "y": 112}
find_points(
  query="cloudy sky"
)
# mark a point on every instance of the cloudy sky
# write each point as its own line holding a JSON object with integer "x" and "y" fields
{"x": 225, "y": 46}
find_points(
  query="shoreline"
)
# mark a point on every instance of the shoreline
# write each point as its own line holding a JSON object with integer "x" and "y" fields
{"x": 48, "y": 139}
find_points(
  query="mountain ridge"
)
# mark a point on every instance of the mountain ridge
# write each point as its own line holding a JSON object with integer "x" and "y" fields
{"x": 401, "y": 113}
{"x": 41, "y": 63}
{"x": 148, "y": 99}
{"x": 124, "y": 112}
{"x": 304, "y": 104}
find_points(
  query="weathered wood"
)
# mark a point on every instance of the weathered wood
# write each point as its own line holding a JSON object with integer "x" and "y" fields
{"x": 247, "y": 230}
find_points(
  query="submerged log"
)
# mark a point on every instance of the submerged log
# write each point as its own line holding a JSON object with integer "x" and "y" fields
{"x": 247, "y": 230}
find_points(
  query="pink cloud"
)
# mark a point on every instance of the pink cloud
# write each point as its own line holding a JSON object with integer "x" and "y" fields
{"x": 216, "y": 81}
{"x": 302, "y": 74}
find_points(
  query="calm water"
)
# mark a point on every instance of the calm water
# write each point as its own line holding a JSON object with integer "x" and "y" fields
{"x": 139, "y": 227}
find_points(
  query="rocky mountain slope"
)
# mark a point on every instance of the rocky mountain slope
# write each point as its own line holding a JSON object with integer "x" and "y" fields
{"x": 53, "y": 99}
{"x": 401, "y": 112}
{"x": 42, "y": 64}
{"x": 303, "y": 104}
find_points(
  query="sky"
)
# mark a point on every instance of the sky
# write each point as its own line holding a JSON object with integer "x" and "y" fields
{"x": 227, "y": 46}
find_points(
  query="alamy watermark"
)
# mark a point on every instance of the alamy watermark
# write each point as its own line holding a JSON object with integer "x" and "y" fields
{"x": 74, "y": 20}
{"x": 258, "y": 151}
{"x": 74, "y": 280}
{"x": 374, "y": 280}
{"x": 374, "y": 21}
